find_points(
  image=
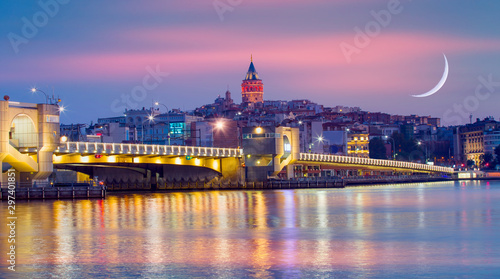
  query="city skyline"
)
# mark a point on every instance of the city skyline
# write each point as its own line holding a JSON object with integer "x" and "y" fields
{"x": 96, "y": 55}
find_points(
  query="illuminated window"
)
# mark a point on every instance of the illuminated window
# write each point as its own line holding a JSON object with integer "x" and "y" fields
{"x": 23, "y": 131}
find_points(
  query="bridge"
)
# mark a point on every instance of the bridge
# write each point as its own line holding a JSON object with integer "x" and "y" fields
{"x": 30, "y": 143}
{"x": 368, "y": 163}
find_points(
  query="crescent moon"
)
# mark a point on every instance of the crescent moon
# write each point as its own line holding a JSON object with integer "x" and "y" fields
{"x": 440, "y": 84}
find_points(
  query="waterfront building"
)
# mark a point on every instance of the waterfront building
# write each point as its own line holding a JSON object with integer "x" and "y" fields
{"x": 491, "y": 141}
{"x": 74, "y": 132}
{"x": 358, "y": 144}
{"x": 472, "y": 138}
{"x": 172, "y": 128}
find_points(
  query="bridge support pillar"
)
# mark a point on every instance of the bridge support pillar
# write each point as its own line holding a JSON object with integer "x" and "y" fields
{"x": 232, "y": 170}
{"x": 289, "y": 172}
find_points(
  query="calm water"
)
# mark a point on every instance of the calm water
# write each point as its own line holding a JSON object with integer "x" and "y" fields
{"x": 431, "y": 230}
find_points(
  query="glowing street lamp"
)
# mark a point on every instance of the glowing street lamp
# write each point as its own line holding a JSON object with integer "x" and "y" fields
{"x": 420, "y": 143}
{"x": 219, "y": 125}
{"x": 168, "y": 120}
{"x": 34, "y": 90}
{"x": 150, "y": 119}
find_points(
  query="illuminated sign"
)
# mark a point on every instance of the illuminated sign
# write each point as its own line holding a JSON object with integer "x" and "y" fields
{"x": 52, "y": 118}
{"x": 177, "y": 128}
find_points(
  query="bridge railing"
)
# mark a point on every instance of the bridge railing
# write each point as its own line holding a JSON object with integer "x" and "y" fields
{"x": 145, "y": 149}
{"x": 311, "y": 157}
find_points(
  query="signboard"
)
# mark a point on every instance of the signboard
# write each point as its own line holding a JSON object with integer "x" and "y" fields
{"x": 52, "y": 118}
{"x": 177, "y": 128}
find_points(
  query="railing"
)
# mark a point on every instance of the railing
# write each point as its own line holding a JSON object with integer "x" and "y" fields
{"x": 146, "y": 149}
{"x": 371, "y": 162}
{"x": 45, "y": 184}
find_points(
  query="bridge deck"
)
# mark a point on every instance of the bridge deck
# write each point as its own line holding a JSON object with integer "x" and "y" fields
{"x": 345, "y": 160}
{"x": 145, "y": 149}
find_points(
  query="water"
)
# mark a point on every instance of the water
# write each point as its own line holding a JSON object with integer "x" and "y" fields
{"x": 426, "y": 230}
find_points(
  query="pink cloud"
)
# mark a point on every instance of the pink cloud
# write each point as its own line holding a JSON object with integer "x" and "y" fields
{"x": 392, "y": 62}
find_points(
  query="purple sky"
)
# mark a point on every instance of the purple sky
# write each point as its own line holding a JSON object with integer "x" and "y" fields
{"x": 98, "y": 55}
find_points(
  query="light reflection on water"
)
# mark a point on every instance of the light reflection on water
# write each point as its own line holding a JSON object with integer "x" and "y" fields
{"x": 417, "y": 230}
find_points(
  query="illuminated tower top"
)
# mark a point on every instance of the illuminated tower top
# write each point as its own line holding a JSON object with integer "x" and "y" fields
{"x": 252, "y": 88}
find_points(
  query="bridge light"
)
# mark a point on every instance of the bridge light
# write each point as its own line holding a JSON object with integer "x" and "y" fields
{"x": 64, "y": 139}
{"x": 258, "y": 130}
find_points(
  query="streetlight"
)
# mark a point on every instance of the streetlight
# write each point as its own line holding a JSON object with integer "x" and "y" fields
{"x": 393, "y": 147}
{"x": 168, "y": 120}
{"x": 150, "y": 119}
{"x": 420, "y": 143}
{"x": 34, "y": 90}
{"x": 219, "y": 125}
{"x": 320, "y": 141}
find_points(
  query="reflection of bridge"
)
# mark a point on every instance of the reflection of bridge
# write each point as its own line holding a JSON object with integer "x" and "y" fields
{"x": 29, "y": 143}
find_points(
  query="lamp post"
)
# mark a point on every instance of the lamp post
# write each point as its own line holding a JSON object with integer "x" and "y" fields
{"x": 150, "y": 119}
{"x": 34, "y": 90}
{"x": 320, "y": 139}
{"x": 393, "y": 147}
{"x": 420, "y": 143}
{"x": 219, "y": 128}
{"x": 168, "y": 120}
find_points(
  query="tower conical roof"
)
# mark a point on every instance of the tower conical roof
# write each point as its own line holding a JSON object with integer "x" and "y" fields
{"x": 252, "y": 73}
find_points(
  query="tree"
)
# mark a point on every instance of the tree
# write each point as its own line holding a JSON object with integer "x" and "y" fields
{"x": 487, "y": 159}
{"x": 377, "y": 149}
{"x": 405, "y": 149}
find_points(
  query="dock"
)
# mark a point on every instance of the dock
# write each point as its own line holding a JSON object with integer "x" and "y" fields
{"x": 70, "y": 191}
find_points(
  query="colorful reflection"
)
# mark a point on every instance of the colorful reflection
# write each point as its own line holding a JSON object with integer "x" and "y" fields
{"x": 359, "y": 231}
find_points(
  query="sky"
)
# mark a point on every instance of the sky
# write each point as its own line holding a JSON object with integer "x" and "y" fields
{"x": 101, "y": 57}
